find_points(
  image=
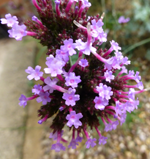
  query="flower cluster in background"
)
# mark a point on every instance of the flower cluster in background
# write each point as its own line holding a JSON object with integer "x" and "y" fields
{"x": 122, "y": 19}
{"x": 94, "y": 88}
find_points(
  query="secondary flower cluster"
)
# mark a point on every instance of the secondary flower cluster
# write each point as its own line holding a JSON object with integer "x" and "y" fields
{"x": 122, "y": 19}
{"x": 85, "y": 84}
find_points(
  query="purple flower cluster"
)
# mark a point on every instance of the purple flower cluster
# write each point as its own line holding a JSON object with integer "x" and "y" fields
{"x": 94, "y": 87}
{"x": 17, "y": 31}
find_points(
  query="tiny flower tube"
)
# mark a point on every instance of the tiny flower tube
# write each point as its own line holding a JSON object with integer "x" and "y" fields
{"x": 59, "y": 88}
{"x": 42, "y": 120}
{"x": 79, "y": 25}
{"x": 108, "y": 119}
{"x": 36, "y": 5}
{"x": 42, "y": 78}
{"x": 44, "y": 2}
{"x": 110, "y": 112}
{"x": 134, "y": 86}
{"x": 32, "y": 97}
{"x": 114, "y": 47}
{"x": 60, "y": 77}
{"x": 23, "y": 99}
{"x": 69, "y": 5}
{"x": 76, "y": 10}
{"x": 58, "y": 136}
{"x": 58, "y": 146}
{"x": 96, "y": 128}
{"x": 34, "y": 18}
{"x": 29, "y": 33}
{"x": 103, "y": 120}
{"x": 73, "y": 142}
{"x": 86, "y": 133}
{"x": 85, "y": 4}
{"x": 51, "y": 85}
{"x": 74, "y": 66}
{"x": 57, "y": 2}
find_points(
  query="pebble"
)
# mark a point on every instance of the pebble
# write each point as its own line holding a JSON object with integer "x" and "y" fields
{"x": 81, "y": 155}
{"x": 128, "y": 138}
{"x": 141, "y": 135}
{"x": 45, "y": 142}
{"x": 100, "y": 148}
{"x": 65, "y": 156}
{"x": 71, "y": 151}
{"x": 138, "y": 141}
{"x": 122, "y": 146}
{"x": 142, "y": 115}
{"x": 149, "y": 155}
{"x": 46, "y": 157}
{"x": 101, "y": 157}
{"x": 131, "y": 144}
{"x": 89, "y": 152}
{"x": 128, "y": 154}
{"x": 147, "y": 105}
{"x": 120, "y": 138}
{"x": 148, "y": 141}
{"x": 143, "y": 148}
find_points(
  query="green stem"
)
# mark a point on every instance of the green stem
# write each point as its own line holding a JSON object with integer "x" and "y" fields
{"x": 136, "y": 45}
{"x": 103, "y": 10}
{"x": 70, "y": 60}
{"x": 114, "y": 15}
{"x": 103, "y": 5}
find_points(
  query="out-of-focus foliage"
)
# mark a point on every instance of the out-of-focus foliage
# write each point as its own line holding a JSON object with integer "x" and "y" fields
{"x": 142, "y": 16}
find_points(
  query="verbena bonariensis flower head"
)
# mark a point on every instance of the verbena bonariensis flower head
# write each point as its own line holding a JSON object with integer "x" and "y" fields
{"x": 85, "y": 84}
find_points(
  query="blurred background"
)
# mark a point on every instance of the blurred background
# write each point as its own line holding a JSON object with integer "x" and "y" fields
{"x": 132, "y": 139}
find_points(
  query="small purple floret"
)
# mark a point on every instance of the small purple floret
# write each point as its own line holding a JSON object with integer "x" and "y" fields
{"x": 73, "y": 119}
{"x": 37, "y": 89}
{"x": 72, "y": 80}
{"x": 23, "y": 100}
{"x": 109, "y": 76}
{"x": 58, "y": 147}
{"x": 90, "y": 142}
{"x": 100, "y": 103}
{"x": 69, "y": 47}
{"x": 17, "y": 31}
{"x": 102, "y": 140}
{"x": 83, "y": 62}
{"x": 55, "y": 66}
{"x": 104, "y": 91}
{"x": 70, "y": 97}
{"x": 34, "y": 73}
{"x": 10, "y": 20}
{"x": 44, "y": 98}
{"x": 115, "y": 46}
{"x": 73, "y": 144}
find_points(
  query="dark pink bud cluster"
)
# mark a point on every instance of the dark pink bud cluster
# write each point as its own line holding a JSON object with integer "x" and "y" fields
{"x": 85, "y": 84}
